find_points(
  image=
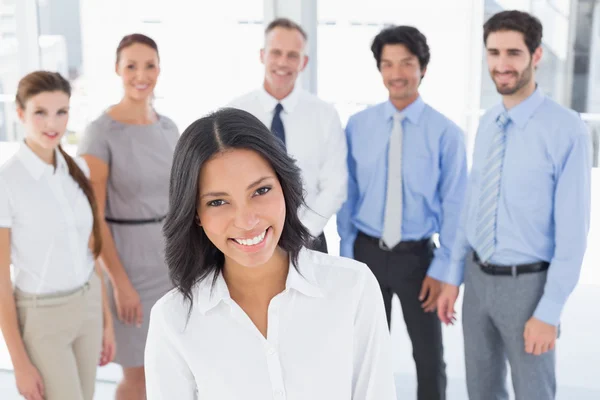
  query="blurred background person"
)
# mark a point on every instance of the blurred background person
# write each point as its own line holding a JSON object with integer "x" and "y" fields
{"x": 57, "y": 323}
{"x": 408, "y": 173}
{"x": 129, "y": 149}
{"x": 309, "y": 128}
{"x": 523, "y": 232}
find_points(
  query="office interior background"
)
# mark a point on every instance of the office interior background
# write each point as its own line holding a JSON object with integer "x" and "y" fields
{"x": 210, "y": 54}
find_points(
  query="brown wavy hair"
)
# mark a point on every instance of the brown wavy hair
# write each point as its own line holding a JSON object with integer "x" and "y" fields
{"x": 45, "y": 81}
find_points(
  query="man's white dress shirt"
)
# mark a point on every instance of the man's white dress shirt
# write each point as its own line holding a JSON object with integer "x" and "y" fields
{"x": 315, "y": 138}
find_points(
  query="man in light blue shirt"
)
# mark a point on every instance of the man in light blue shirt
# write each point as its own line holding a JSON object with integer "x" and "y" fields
{"x": 407, "y": 178}
{"x": 523, "y": 230}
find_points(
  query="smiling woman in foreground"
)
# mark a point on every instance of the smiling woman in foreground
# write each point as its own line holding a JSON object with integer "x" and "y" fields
{"x": 255, "y": 314}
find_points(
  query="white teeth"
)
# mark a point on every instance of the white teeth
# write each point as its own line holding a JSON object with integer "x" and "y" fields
{"x": 253, "y": 241}
{"x": 281, "y": 73}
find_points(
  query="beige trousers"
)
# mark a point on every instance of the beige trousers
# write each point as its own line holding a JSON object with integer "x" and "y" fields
{"x": 63, "y": 336}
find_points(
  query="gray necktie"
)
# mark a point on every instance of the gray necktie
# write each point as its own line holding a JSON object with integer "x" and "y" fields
{"x": 392, "y": 222}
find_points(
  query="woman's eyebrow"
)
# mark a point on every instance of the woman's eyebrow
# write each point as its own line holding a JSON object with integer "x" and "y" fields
{"x": 220, "y": 194}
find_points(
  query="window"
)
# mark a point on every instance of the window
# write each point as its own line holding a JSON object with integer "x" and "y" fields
{"x": 347, "y": 72}
{"x": 209, "y": 55}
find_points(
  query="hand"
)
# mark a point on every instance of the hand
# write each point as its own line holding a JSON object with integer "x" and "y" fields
{"x": 540, "y": 337}
{"x": 109, "y": 345}
{"x": 29, "y": 382}
{"x": 446, "y": 302}
{"x": 430, "y": 290}
{"x": 129, "y": 307}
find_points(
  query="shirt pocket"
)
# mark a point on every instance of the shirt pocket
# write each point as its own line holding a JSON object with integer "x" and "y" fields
{"x": 420, "y": 170}
{"x": 529, "y": 182}
{"x": 369, "y": 159}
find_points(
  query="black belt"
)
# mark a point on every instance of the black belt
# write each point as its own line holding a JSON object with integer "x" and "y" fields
{"x": 512, "y": 270}
{"x": 135, "y": 221}
{"x": 407, "y": 245}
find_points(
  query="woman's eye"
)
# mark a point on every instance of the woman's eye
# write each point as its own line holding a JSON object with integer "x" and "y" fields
{"x": 216, "y": 203}
{"x": 263, "y": 190}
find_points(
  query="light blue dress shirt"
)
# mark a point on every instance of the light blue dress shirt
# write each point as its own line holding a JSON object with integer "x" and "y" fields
{"x": 544, "y": 206}
{"x": 434, "y": 171}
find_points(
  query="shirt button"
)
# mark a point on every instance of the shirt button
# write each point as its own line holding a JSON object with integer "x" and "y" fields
{"x": 271, "y": 351}
{"x": 279, "y": 393}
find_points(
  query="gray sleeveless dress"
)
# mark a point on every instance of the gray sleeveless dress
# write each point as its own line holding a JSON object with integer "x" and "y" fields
{"x": 139, "y": 159}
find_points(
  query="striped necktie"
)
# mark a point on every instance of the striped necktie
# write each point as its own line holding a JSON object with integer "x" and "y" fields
{"x": 392, "y": 222}
{"x": 489, "y": 195}
{"x": 277, "y": 124}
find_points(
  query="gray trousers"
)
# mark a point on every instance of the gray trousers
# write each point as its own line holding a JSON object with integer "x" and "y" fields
{"x": 495, "y": 310}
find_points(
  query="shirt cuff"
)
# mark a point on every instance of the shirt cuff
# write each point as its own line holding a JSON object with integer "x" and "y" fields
{"x": 438, "y": 269}
{"x": 5, "y": 223}
{"x": 347, "y": 248}
{"x": 548, "y": 311}
{"x": 455, "y": 273}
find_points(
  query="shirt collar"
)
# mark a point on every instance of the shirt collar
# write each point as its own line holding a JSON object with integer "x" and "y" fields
{"x": 269, "y": 102}
{"x": 304, "y": 281}
{"x": 208, "y": 296}
{"x": 36, "y": 167}
{"x": 412, "y": 112}
{"x": 522, "y": 112}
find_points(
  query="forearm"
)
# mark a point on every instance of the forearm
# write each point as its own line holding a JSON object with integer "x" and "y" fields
{"x": 110, "y": 258}
{"x": 106, "y": 313}
{"x": 332, "y": 184}
{"x": 315, "y": 219}
{"x": 346, "y": 230}
{"x": 451, "y": 234}
{"x": 572, "y": 204}
{"x": 453, "y": 188}
{"x": 9, "y": 324}
{"x": 458, "y": 258}
{"x": 326, "y": 203}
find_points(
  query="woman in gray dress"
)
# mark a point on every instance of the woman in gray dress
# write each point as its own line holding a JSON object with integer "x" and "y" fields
{"x": 129, "y": 150}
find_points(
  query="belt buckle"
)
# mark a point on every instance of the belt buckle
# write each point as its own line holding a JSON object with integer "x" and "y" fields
{"x": 383, "y": 246}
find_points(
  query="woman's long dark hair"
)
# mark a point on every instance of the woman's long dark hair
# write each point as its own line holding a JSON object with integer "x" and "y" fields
{"x": 190, "y": 255}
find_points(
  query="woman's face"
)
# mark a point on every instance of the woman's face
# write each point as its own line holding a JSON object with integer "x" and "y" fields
{"x": 241, "y": 206}
{"x": 138, "y": 68}
{"x": 45, "y": 118}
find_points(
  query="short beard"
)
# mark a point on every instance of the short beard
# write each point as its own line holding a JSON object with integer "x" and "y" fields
{"x": 524, "y": 77}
